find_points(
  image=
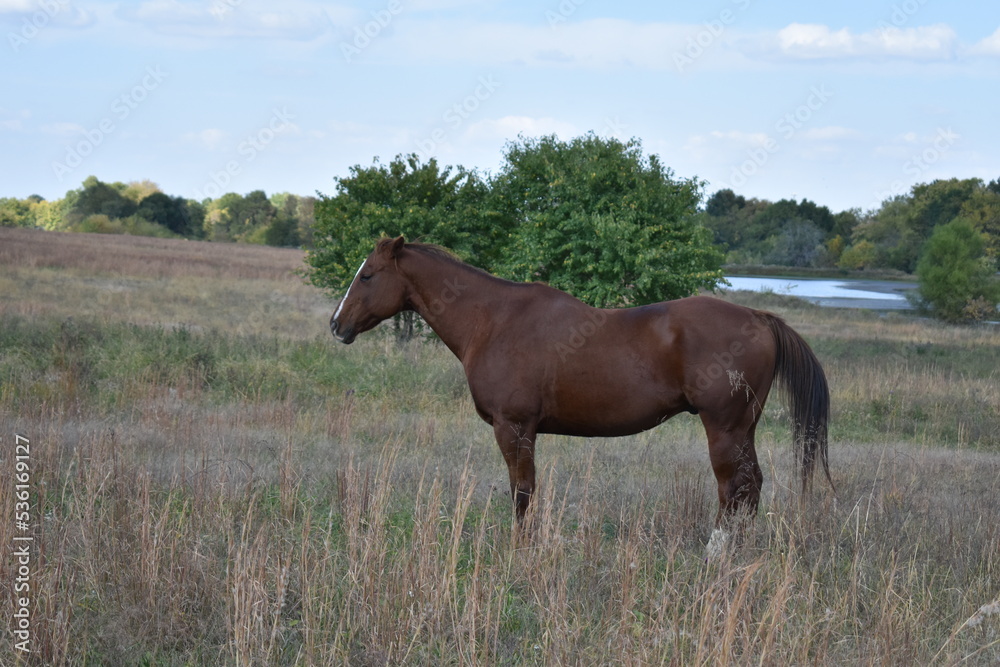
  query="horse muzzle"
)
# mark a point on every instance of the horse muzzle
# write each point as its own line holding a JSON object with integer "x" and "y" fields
{"x": 345, "y": 335}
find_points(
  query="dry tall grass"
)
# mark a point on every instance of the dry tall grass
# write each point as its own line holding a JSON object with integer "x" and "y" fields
{"x": 240, "y": 289}
{"x": 213, "y": 515}
{"x": 143, "y": 256}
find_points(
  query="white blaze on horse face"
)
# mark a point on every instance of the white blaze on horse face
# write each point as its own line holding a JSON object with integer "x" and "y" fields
{"x": 344, "y": 300}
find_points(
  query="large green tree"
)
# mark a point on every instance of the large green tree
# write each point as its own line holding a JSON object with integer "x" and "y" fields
{"x": 893, "y": 234}
{"x": 175, "y": 213}
{"x": 420, "y": 201}
{"x": 783, "y": 232}
{"x": 597, "y": 218}
{"x": 800, "y": 243}
{"x": 729, "y": 217}
{"x": 98, "y": 198}
{"x": 939, "y": 202}
{"x": 417, "y": 200}
{"x": 983, "y": 209}
{"x": 14, "y": 212}
{"x": 956, "y": 275}
{"x": 235, "y": 217}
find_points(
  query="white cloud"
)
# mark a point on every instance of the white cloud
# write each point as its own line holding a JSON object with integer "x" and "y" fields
{"x": 39, "y": 14}
{"x": 830, "y": 133}
{"x": 16, "y": 6}
{"x": 10, "y": 120}
{"x": 800, "y": 41}
{"x": 596, "y": 44}
{"x": 741, "y": 138}
{"x": 611, "y": 43}
{"x": 233, "y": 18}
{"x": 64, "y": 129}
{"x": 989, "y": 46}
{"x": 908, "y": 144}
{"x": 814, "y": 39}
{"x": 418, "y": 33}
{"x": 439, "y": 5}
{"x": 378, "y": 137}
{"x": 211, "y": 138}
{"x": 722, "y": 146}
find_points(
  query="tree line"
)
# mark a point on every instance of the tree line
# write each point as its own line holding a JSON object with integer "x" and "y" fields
{"x": 594, "y": 216}
{"x": 893, "y": 236}
{"x": 141, "y": 208}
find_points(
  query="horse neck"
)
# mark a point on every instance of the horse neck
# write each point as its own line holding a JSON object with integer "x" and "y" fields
{"x": 449, "y": 296}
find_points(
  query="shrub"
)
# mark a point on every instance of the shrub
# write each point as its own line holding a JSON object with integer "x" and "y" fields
{"x": 956, "y": 276}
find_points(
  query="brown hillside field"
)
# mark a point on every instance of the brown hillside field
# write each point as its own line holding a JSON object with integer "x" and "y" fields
{"x": 212, "y": 479}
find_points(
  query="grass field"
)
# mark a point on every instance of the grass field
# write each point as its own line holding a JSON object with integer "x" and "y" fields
{"x": 214, "y": 480}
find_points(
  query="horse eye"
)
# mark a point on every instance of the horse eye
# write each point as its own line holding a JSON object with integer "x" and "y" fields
{"x": 365, "y": 277}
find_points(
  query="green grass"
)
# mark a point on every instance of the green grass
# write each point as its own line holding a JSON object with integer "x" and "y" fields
{"x": 940, "y": 393}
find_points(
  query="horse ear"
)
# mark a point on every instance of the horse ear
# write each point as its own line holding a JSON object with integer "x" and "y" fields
{"x": 396, "y": 247}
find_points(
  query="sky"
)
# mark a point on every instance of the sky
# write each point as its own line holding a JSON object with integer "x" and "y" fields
{"x": 844, "y": 103}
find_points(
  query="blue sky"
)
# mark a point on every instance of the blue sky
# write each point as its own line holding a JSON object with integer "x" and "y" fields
{"x": 843, "y": 103}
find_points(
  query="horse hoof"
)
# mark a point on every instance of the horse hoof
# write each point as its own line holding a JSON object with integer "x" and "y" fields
{"x": 717, "y": 544}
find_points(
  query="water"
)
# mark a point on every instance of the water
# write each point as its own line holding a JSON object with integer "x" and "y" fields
{"x": 833, "y": 293}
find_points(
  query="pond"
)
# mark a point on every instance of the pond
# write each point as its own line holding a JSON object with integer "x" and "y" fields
{"x": 833, "y": 293}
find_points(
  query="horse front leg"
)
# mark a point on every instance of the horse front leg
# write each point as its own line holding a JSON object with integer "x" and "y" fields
{"x": 517, "y": 444}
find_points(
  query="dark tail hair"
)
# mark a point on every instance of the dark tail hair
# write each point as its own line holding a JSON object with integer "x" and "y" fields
{"x": 804, "y": 384}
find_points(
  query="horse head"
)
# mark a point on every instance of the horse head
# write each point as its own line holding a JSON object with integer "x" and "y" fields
{"x": 377, "y": 293}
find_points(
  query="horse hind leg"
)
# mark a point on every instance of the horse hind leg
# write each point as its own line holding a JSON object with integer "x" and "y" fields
{"x": 739, "y": 479}
{"x": 737, "y": 471}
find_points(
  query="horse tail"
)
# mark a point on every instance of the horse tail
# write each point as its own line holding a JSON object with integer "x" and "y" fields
{"x": 807, "y": 393}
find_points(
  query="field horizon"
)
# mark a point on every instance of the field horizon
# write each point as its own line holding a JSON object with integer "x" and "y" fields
{"x": 214, "y": 480}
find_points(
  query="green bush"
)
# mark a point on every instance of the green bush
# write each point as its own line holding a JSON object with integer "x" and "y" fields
{"x": 132, "y": 225}
{"x": 956, "y": 276}
{"x": 861, "y": 255}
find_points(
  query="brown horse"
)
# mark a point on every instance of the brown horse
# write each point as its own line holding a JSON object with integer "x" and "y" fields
{"x": 540, "y": 361}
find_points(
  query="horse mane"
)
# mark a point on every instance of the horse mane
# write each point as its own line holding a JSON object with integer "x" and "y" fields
{"x": 435, "y": 250}
{"x": 441, "y": 252}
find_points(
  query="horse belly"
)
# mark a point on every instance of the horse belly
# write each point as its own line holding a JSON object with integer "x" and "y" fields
{"x": 609, "y": 408}
{"x": 594, "y": 425}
